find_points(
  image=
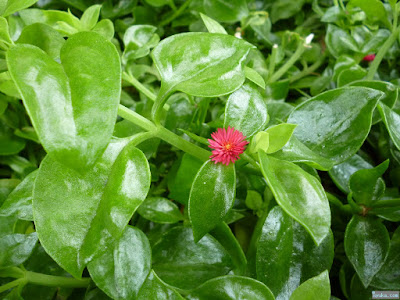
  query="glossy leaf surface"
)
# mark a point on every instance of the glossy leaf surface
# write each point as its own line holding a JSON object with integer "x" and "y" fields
{"x": 299, "y": 194}
{"x": 211, "y": 197}
{"x": 246, "y": 111}
{"x": 154, "y": 288}
{"x": 232, "y": 288}
{"x": 160, "y": 210}
{"x": 279, "y": 135}
{"x": 16, "y": 248}
{"x": 335, "y": 124}
{"x": 83, "y": 92}
{"x": 317, "y": 287}
{"x": 366, "y": 243}
{"x": 392, "y": 122}
{"x": 287, "y": 256}
{"x": 100, "y": 203}
{"x": 121, "y": 271}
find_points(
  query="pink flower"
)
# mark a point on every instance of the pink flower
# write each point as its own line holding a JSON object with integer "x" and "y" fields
{"x": 227, "y": 145}
{"x": 369, "y": 57}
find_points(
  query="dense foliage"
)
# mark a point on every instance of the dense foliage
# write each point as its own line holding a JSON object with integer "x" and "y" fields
{"x": 109, "y": 188}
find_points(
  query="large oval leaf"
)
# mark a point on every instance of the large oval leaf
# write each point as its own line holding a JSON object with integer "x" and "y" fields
{"x": 246, "y": 110}
{"x": 78, "y": 215}
{"x": 366, "y": 243}
{"x": 287, "y": 256}
{"x": 211, "y": 197}
{"x": 181, "y": 262}
{"x": 335, "y": 124}
{"x": 121, "y": 271}
{"x": 300, "y": 195}
{"x": 232, "y": 287}
{"x": 72, "y": 105}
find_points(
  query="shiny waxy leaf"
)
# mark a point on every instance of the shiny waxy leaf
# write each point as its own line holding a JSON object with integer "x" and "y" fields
{"x": 13, "y": 6}
{"x": 16, "y": 248}
{"x": 317, "y": 287}
{"x": 226, "y": 11}
{"x": 299, "y": 194}
{"x": 200, "y": 64}
{"x": 19, "y": 202}
{"x": 335, "y": 124}
{"x": 95, "y": 207}
{"x": 181, "y": 262}
{"x": 367, "y": 185}
{"x": 212, "y": 25}
{"x": 388, "y": 277}
{"x": 279, "y": 135}
{"x": 211, "y": 197}
{"x": 232, "y": 288}
{"x": 72, "y": 105}
{"x": 287, "y": 256}
{"x": 160, "y": 210}
{"x": 246, "y": 110}
{"x": 366, "y": 243}
{"x": 121, "y": 271}
{"x": 155, "y": 288}
{"x": 392, "y": 123}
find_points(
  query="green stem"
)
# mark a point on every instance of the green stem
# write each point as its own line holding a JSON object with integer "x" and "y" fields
{"x": 381, "y": 53}
{"x": 140, "y": 87}
{"x": 135, "y": 118}
{"x": 308, "y": 70}
{"x": 335, "y": 201}
{"x": 12, "y": 284}
{"x": 141, "y": 137}
{"x": 297, "y": 54}
{"x": 56, "y": 281}
{"x": 225, "y": 237}
{"x": 176, "y": 14}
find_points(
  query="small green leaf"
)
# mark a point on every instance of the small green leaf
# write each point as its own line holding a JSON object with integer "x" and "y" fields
{"x": 19, "y": 202}
{"x": 374, "y": 10}
{"x": 155, "y": 288}
{"x": 335, "y": 124}
{"x": 254, "y": 76}
{"x": 121, "y": 271}
{"x": 4, "y": 32}
{"x": 299, "y": 194}
{"x": 212, "y": 25}
{"x": 366, "y": 243}
{"x": 246, "y": 111}
{"x": 259, "y": 142}
{"x": 232, "y": 287}
{"x": 90, "y": 17}
{"x": 160, "y": 210}
{"x": 340, "y": 42}
{"x": 105, "y": 28}
{"x": 226, "y": 11}
{"x": 367, "y": 185}
{"x": 279, "y": 135}
{"x": 317, "y": 287}
{"x": 392, "y": 123}
{"x": 253, "y": 200}
{"x": 181, "y": 262}
{"x": 16, "y": 248}
{"x": 287, "y": 256}
{"x": 211, "y": 197}
{"x": 16, "y": 5}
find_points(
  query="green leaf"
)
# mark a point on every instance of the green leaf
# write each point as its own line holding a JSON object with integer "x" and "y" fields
{"x": 160, "y": 210}
{"x": 4, "y": 31}
{"x": 299, "y": 194}
{"x": 232, "y": 287}
{"x": 388, "y": 276}
{"x": 19, "y": 202}
{"x": 121, "y": 271}
{"x": 181, "y": 262}
{"x": 254, "y": 76}
{"x": 259, "y": 142}
{"x": 392, "y": 123}
{"x": 367, "y": 185}
{"x": 211, "y": 197}
{"x": 341, "y": 173}
{"x": 246, "y": 111}
{"x": 340, "y": 42}
{"x": 287, "y": 256}
{"x": 43, "y": 37}
{"x": 105, "y": 28}
{"x": 279, "y": 135}
{"x": 200, "y": 64}
{"x": 366, "y": 243}
{"x": 155, "y": 288}
{"x": 16, "y": 5}
{"x": 6, "y": 187}
{"x": 317, "y": 287}
{"x": 90, "y": 17}
{"x": 335, "y": 124}
{"x": 138, "y": 40}
{"x": 16, "y": 248}
{"x": 99, "y": 204}
{"x": 296, "y": 151}
{"x": 374, "y": 10}
{"x": 212, "y": 25}
{"x": 73, "y": 105}
{"x": 226, "y": 11}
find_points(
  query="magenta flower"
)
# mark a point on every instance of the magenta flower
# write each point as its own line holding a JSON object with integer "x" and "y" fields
{"x": 227, "y": 145}
{"x": 369, "y": 57}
